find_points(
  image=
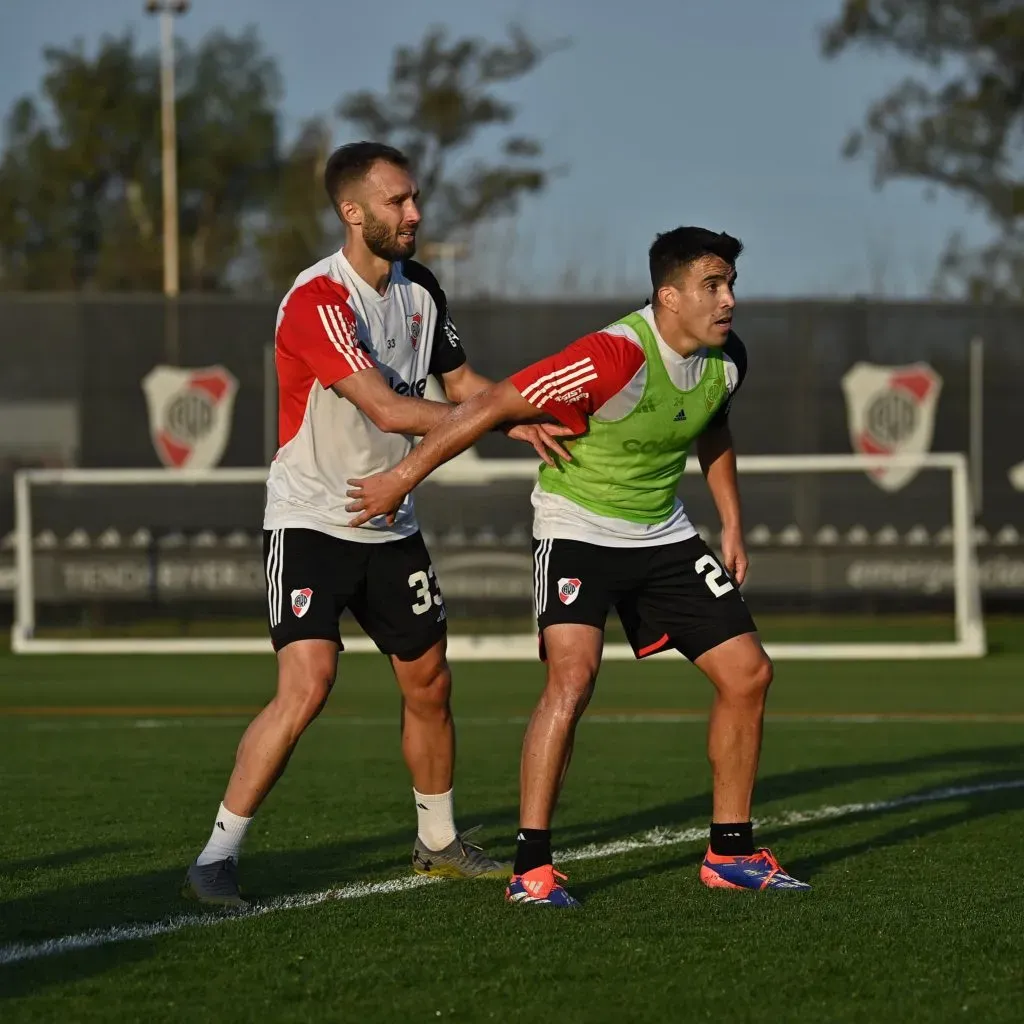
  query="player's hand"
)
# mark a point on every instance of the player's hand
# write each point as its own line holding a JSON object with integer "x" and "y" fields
{"x": 543, "y": 436}
{"x": 377, "y": 495}
{"x": 734, "y": 555}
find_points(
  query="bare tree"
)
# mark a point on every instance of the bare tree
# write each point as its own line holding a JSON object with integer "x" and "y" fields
{"x": 440, "y": 95}
{"x": 958, "y": 126}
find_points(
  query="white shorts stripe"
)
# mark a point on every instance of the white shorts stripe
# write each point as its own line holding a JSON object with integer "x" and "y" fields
{"x": 537, "y": 580}
{"x": 274, "y": 574}
{"x": 540, "y": 576}
{"x": 270, "y": 577}
{"x": 279, "y": 580}
{"x": 544, "y": 574}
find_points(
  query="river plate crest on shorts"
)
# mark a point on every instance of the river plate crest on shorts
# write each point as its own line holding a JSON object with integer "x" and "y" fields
{"x": 190, "y": 414}
{"x": 890, "y": 410}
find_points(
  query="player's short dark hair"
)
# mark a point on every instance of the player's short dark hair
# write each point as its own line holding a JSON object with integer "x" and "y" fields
{"x": 353, "y": 161}
{"x": 673, "y": 250}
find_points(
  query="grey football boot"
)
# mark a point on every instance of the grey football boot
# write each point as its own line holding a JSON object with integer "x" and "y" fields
{"x": 459, "y": 859}
{"x": 215, "y": 884}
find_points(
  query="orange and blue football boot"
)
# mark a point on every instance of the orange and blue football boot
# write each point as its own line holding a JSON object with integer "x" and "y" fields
{"x": 759, "y": 870}
{"x": 540, "y": 886}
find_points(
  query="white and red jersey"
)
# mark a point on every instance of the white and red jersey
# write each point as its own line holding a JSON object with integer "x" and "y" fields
{"x": 602, "y": 376}
{"x": 330, "y": 325}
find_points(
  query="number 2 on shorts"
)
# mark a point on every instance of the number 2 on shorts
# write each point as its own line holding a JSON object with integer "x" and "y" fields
{"x": 713, "y": 576}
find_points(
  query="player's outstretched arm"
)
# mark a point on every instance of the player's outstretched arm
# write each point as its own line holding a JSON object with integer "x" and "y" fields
{"x": 388, "y": 411}
{"x": 382, "y": 493}
{"x": 718, "y": 463}
{"x": 464, "y": 382}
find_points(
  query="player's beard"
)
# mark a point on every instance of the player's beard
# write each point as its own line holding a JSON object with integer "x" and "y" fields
{"x": 384, "y": 242}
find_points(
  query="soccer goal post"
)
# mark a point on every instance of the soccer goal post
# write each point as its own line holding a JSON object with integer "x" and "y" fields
{"x": 184, "y": 544}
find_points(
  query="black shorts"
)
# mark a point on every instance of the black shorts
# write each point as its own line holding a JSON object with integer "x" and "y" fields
{"x": 667, "y": 596}
{"x": 390, "y": 589}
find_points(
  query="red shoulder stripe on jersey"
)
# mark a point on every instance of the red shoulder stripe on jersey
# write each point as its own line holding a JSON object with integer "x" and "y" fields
{"x": 339, "y": 332}
{"x": 581, "y": 377}
{"x": 559, "y": 382}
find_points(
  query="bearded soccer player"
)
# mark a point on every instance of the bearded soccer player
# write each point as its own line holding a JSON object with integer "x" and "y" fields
{"x": 609, "y": 530}
{"x": 357, "y": 336}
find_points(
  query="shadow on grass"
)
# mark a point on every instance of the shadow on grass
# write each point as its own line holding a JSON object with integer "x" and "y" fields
{"x": 60, "y": 859}
{"x": 133, "y": 899}
{"x": 802, "y": 783}
{"x": 978, "y": 806}
{"x": 20, "y": 980}
{"x": 153, "y": 896}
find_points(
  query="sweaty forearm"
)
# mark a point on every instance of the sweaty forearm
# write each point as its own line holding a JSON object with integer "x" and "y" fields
{"x": 415, "y": 416}
{"x": 456, "y": 432}
{"x": 418, "y": 420}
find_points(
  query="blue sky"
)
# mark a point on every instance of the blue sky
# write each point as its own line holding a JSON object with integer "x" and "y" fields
{"x": 663, "y": 112}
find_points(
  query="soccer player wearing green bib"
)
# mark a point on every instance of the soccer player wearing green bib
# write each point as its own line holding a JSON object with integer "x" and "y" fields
{"x": 610, "y": 531}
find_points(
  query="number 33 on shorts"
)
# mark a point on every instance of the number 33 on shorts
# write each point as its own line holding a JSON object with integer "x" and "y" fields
{"x": 426, "y": 592}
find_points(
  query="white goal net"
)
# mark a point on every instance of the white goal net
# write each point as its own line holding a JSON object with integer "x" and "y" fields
{"x": 161, "y": 561}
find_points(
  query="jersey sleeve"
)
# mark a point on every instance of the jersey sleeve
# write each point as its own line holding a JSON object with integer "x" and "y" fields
{"x": 446, "y": 352}
{"x": 574, "y": 383}
{"x": 318, "y": 327}
{"x": 737, "y": 352}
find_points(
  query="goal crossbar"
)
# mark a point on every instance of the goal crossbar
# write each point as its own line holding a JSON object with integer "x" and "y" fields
{"x": 969, "y": 642}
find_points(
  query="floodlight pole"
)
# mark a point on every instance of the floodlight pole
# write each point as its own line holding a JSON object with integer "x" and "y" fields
{"x": 167, "y": 9}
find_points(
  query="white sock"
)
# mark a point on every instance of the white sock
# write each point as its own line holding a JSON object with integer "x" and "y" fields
{"x": 435, "y": 819}
{"x": 226, "y": 838}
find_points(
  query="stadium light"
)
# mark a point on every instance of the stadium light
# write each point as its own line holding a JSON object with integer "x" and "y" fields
{"x": 167, "y": 9}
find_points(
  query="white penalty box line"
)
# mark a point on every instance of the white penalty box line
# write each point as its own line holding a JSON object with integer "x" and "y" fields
{"x": 659, "y": 837}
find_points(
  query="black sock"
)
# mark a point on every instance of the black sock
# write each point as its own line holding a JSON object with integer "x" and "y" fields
{"x": 533, "y": 849}
{"x": 735, "y": 839}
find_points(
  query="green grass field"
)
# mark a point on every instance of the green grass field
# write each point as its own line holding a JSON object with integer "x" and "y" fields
{"x": 897, "y": 790}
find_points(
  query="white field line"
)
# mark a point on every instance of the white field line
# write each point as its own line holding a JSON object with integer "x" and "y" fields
{"x": 658, "y": 837}
{"x": 72, "y": 724}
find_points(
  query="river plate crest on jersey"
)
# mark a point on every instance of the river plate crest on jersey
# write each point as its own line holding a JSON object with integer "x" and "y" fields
{"x": 190, "y": 414}
{"x": 890, "y": 410}
{"x": 415, "y": 327}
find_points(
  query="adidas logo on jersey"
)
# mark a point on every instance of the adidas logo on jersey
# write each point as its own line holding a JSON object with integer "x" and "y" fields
{"x": 679, "y": 416}
{"x": 449, "y": 331}
{"x": 647, "y": 405}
